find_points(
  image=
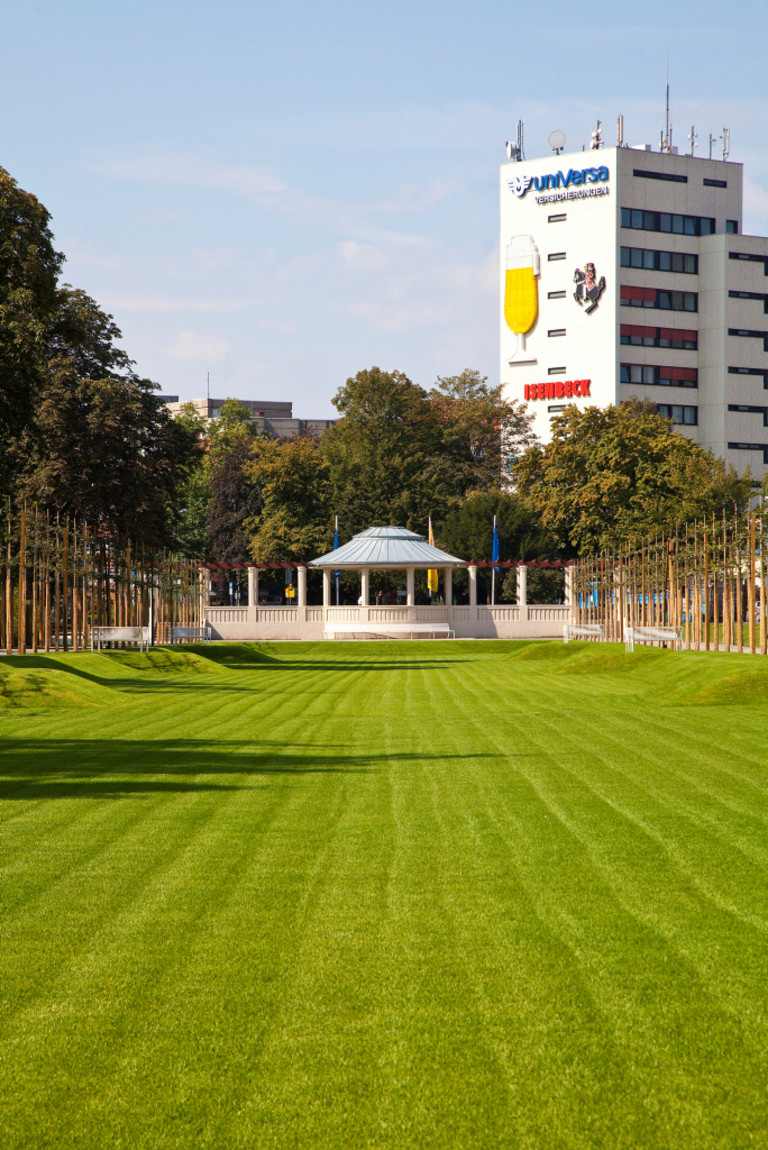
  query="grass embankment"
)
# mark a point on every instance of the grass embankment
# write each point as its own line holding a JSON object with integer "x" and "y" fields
{"x": 427, "y": 894}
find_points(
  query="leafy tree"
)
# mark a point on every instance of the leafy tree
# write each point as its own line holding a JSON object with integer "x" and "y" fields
{"x": 29, "y": 269}
{"x": 195, "y": 490}
{"x": 612, "y": 473}
{"x": 481, "y": 430}
{"x": 294, "y": 523}
{"x": 79, "y": 430}
{"x": 400, "y": 454}
{"x": 235, "y": 500}
{"x": 468, "y": 530}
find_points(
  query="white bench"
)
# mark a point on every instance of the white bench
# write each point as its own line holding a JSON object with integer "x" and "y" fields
{"x": 101, "y": 635}
{"x": 673, "y": 635}
{"x": 393, "y": 630}
{"x": 583, "y": 631}
{"x": 191, "y": 634}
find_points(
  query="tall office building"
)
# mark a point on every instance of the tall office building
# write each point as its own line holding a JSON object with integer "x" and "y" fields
{"x": 624, "y": 272}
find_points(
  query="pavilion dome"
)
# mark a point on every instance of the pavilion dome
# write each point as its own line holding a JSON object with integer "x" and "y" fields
{"x": 387, "y": 547}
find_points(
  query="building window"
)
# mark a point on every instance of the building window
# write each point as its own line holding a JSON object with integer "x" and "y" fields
{"x": 558, "y": 218}
{"x": 753, "y": 408}
{"x": 555, "y": 331}
{"x": 655, "y": 298}
{"x": 658, "y": 376}
{"x": 747, "y": 333}
{"x": 749, "y": 256}
{"x": 667, "y": 222}
{"x": 732, "y": 227}
{"x": 639, "y": 336}
{"x": 555, "y": 295}
{"x": 679, "y": 413}
{"x": 655, "y": 261}
{"x": 751, "y": 371}
{"x": 556, "y": 407}
{"x": 750, "y": 447}
{"x": 557, "y": 370}
{"x": 763, "y": 296}
{"x": 553, "y": 256}
{"x": 715, "y": 183}
{"x": 671, "y": 177}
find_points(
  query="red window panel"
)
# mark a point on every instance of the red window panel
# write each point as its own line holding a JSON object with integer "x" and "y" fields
{"x": 638, "y": 293}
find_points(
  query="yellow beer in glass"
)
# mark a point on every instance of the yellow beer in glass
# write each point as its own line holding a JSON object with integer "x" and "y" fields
{"x": 521, "y": 297}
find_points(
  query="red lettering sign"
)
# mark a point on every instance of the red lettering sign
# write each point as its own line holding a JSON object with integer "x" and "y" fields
{"x": 558, "y": 389}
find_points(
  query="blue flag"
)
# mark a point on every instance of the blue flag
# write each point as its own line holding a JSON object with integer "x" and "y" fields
{"x": 495, "y": 549}
{"x": 336, "y": 542}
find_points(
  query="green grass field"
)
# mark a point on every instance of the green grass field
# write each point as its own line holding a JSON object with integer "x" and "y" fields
{"x": 384, "y": 894}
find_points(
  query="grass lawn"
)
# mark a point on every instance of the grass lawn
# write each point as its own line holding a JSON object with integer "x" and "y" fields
{"x": 384, "y": 894}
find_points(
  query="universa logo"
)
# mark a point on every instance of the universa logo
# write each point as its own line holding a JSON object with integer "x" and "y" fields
{"x": 573, "y": 178}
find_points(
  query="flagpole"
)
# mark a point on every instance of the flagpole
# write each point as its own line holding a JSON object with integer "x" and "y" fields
{"x": 336, "y": 547}
{"x": 494, "y": 559}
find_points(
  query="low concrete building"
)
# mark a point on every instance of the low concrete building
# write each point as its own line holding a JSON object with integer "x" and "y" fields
{"x": 273, "y": 416}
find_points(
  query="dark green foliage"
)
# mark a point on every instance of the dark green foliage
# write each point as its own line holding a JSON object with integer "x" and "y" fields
{"x": 80, "y": 432}
{"x": 616, "y": 473}
{"x": 468, "y": 531}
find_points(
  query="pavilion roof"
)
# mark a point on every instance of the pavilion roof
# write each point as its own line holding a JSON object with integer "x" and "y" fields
{"x": 387, "y": 547}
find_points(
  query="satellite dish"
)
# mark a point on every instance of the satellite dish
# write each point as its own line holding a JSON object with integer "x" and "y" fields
{"x": 557, "y": 142}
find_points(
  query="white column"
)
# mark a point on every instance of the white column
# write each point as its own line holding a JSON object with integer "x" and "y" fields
{"x": 522, "y": 585}
{"x": 326, "y": 587}
{"x": 472, "y": 576}
{"x": 253, "y": 587}
{"x": 364, "y": 587}
{"x": 302, "y": 586}
{"x": 568, "y": 585}
{"x": 410, "y": 585}
{"x": 448, "y": 587}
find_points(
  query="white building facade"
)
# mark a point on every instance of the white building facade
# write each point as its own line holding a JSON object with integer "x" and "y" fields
{"x": 624, "y": 272}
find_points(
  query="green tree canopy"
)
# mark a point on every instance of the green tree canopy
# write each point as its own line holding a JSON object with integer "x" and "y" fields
{"x": 294, "y": 522}
{"x": 468, "y": 530}
{"x": 609, "y": 474}
{"x": 400, "y": 454}
{"x": 79, "y": 429}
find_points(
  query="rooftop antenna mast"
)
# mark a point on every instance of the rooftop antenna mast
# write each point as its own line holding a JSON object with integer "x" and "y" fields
{"x": 666, "y": 139}
{"x": 693, "y": 138}
{"x": 712, "y": 142}
{"x": 620, "y": 132}
{"x": 208, "y": 389}
{"x": 726, "y": 143}
{"x": 515, "y": 151}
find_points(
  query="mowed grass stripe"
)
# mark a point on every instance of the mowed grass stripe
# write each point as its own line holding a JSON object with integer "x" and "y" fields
{"x": 439, "y": 898}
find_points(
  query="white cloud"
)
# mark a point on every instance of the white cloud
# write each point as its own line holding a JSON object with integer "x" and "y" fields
{"x": 175, "y": 303}
{"x": 190, "y": 347}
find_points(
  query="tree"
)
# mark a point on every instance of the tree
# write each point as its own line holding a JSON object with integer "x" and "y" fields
{"x": 468, "y": 530}
{"x": 99, "y": 443}
{"x": 482, "y": 431}
{"x": 79, "y": 429}
{"x": 614, "y": 473}
{"x": 294, "y": 523}
{"x": 29, "y": 269}
{"x": 400, "y": 454}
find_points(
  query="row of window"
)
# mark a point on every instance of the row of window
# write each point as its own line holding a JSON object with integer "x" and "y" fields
{"x": 639, "y": 336}
{"x": 659, "y": 376}
{"x": 660, "y": 261}
{"x": 679, "y": 413}
{"x": 752, "y": 408}
{"x": 675, "y": 178}
{"x": 657, "y": 298}
{"x": 648, "y": 221}
{"x": 762, "y": 296}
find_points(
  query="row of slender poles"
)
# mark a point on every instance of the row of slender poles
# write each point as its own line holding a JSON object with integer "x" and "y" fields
{"x": 709, "y": 579}
{"x": 59, "y": 577}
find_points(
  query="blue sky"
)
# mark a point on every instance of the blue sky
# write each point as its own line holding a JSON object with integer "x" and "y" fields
{"x": 283, "y": 195}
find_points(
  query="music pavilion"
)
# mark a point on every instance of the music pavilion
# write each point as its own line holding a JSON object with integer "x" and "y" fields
{"x": 624, "y": 272}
